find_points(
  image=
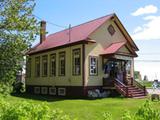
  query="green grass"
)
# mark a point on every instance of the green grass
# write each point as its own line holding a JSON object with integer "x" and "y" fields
{"x": 84, "y": 109}
{"x": 148, "y": 84}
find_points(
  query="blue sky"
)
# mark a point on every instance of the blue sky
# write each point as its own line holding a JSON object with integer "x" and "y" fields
{"x": 141, "y": 18}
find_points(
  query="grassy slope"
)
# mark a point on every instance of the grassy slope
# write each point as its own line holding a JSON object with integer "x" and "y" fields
{"x": 86, "y": 109}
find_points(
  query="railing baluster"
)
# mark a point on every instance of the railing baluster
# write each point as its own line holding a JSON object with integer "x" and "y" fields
{"x": 144, "y": 88}
{"x": 127, "y": 91}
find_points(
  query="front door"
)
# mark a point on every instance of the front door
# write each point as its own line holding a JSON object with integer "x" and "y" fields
{"x": 116, "y": 69}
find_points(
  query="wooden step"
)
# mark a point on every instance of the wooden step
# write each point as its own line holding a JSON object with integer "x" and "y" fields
{"x": 142, "y": 96}
{"x": 138, "y": 94}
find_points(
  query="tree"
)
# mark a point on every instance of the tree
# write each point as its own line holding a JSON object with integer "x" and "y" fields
{"x": 18, "y": 29}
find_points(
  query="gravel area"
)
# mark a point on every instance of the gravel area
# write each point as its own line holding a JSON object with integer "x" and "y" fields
{"x": 153, "y": 91}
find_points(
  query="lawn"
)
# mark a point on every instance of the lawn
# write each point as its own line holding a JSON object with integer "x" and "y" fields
{"x": 148, "y": 84}
{"x": 84, "y": 109}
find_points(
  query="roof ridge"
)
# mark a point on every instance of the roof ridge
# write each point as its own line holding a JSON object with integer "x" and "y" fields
{"x": 112, "y": 14}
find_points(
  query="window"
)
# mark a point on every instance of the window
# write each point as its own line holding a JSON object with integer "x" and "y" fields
{"x": 53, "y": 64}
{"x": 76, "y": 62}
{"x": 62, "y": 64}
{"x": 62, "y": 91}
{"x": 37, "y": 90}
{"x": 44, "y": 65}
{"x": 37, "y": 66}
{"x": 28, "y": 68}
{"x": 52, "y": 91}
{"x": 44, "y": 90}
{"x": 111, "y": 30}
{"x": 93, "y": 66}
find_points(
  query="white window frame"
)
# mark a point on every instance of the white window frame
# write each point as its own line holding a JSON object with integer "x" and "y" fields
{"x": 59, "y": 91}
{"x": 42, "y": 90}
{"x": 93, "y": 66}
{"x": 35, "y": 90}
{"x": 51, "y": 92}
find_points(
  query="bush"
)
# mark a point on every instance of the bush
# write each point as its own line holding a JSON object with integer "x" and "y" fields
{"x": 5, "y": 88}
{"x": 29, "y": 111}
{"x": 145, "y": 112}
{"x": 107, "y": 116}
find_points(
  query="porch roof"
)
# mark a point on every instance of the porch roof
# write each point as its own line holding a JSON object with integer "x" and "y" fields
{"x": 113, "y": 48}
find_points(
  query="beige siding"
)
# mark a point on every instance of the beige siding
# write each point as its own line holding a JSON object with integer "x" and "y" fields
{"x": 103, "y": 40}
{"x": 67, "y": 80}
{"x": 123, "y": 50}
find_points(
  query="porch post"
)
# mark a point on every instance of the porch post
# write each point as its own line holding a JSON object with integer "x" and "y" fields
{"x": 83, "y": 69}
{"x": 132, "y": 68}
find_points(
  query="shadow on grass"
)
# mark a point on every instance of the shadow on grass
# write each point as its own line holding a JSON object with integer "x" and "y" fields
{"x": 56, "y": 98}
{"x": 38, "y": 97}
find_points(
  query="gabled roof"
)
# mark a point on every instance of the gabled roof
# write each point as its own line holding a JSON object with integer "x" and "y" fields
{"x": 113, "y": 48}
{"x": 77, "y": 34}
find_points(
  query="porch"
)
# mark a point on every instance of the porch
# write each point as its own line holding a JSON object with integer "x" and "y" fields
{"x": 119, "y": 75}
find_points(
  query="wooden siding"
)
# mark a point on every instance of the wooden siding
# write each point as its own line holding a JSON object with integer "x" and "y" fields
{"x": 67, "y": 80}
{"x": 103, "y": 40}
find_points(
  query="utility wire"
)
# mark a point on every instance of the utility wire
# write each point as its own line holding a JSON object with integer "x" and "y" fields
{"x": 153, "y": 61}
{"x": 50, "y": 22}
{"x": 149, "y": 53}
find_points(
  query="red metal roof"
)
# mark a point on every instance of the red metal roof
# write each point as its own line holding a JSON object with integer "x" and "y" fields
{"x": 77, "y": 34}
{"x": 113, "y": 48}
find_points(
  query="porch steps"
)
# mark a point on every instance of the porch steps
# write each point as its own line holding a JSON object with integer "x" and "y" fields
{"x": 136, "y": 92}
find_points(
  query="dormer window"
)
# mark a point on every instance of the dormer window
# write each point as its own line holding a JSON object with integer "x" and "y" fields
{"x": 111, "y": 30}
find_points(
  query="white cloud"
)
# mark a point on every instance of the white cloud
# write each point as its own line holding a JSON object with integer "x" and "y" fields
{"x": 145, "y": 10}
{"x": 148, "y": 31}
{"x": 138, "y": 29}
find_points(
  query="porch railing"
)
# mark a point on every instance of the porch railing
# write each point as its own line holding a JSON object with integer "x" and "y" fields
{"x": 122, "y": 88}
{"x": 137, "y": 84}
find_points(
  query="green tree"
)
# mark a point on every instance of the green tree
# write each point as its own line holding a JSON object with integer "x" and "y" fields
{"x": 18, "y": 28}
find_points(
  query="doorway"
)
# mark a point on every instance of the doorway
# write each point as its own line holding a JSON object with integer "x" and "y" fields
{"x": 116, "y": 68}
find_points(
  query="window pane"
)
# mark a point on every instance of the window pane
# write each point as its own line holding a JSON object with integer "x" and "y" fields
{"x": 111, "y": 30}
{"x": 76, "y": 62}
{"x": 37, "y": 66}
{"x": 93, "y": 66}
{"x": 53, "y": 65}
{"x": 62, "y": 63}
{"x": 44, "y": 65}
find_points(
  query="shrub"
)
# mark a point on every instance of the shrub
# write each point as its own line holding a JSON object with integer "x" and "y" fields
{"x": 145, "y": 112}
{"x": 29, "y": 111}
{"x": 128, "y": 116}
{"x": 5, "y": 88}
{"x": 107, "y": 116}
